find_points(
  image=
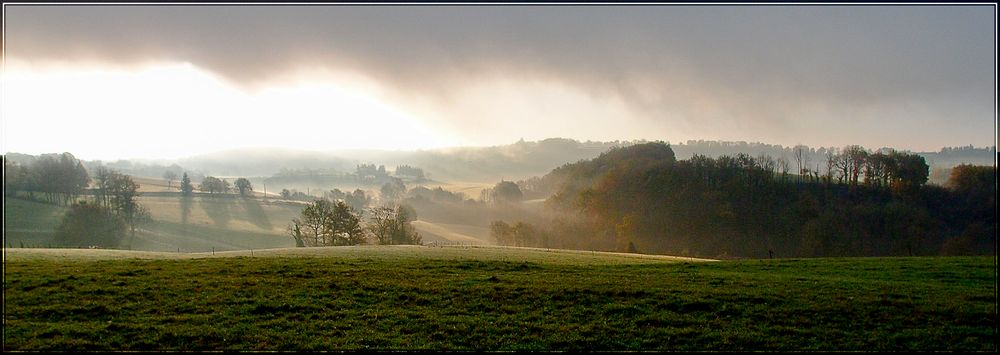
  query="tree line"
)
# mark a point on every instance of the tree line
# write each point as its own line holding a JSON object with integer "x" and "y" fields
{"x": 213, "y": 185}
{"x": 104, "y": 220}
{"x": 865, "y": 203}
{"x": 56, "y": 178}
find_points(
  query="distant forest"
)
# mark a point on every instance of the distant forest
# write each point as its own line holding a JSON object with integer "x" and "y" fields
{"x": 641, "y": 198}
{"x": 520, "y": 160}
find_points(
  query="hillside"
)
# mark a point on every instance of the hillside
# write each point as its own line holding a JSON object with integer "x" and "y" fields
{"x": 204, "y": 223}
{"x": 643, "y": 197}
{"x": 29, "y": 223}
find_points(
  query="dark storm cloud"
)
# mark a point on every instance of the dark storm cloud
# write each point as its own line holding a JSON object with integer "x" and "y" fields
{"x": 760, "y": 61}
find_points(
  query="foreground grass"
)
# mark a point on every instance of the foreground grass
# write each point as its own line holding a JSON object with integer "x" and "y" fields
{"x": 409, "y": 299}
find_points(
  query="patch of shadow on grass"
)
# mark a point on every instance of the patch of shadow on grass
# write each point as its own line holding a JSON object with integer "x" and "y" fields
{"x": 86, "y": 312}
{"x": 218, "y": 209}
{"x": 256, "y": 214}
{"x": 185, "y": 209}
{"x": 697, "y": 306}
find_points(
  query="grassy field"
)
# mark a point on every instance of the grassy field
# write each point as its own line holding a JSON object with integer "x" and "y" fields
{"x": 29, "y": 223}
{"x": 202, "y": 224}
{"x": 205, "y": 223}
{"x": 490, "y": 298}
{"x": 452, "y": 233}
{"x": 223, "y": 223}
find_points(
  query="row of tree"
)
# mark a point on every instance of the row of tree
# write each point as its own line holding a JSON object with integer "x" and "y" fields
{"x": 888, "y": 168}
{"x": 414, "y": 173}
{"x": 111, "y": 213}
{"x": 214, "y": 185}
{"x": 335, "y": 223}
{"x": 521, "y": 234}
{"x": 58, "y": 178}
{"x": 210, "y": 184}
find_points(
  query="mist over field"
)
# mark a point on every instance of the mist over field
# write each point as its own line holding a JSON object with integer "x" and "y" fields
{"x": 456, "y": 195}
{"x": 499, "y": 177}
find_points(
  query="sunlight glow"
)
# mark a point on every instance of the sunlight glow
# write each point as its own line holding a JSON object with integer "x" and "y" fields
{"x": 171, "y": 110}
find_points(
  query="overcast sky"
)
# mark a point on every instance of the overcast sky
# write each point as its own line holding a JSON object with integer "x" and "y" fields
{"x": 110, "y": 82}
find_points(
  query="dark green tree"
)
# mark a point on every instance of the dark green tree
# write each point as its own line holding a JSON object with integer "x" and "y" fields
{"x": 524, "y": 234}
{"x": 61, "y": 178}
{"x": 86, "y": 225}
{"x": 393, "y": 190}
{"x": 16, "y": 177}
{"x": 243, "y": 186}
{"x": 507, "y": 191}
{"x": 187, "y": 189}
{"x": 214, "y": 185}
{"x": 357, "y": 200}
{"x": 909, "y": 172}
{"x": 501, "y": 233}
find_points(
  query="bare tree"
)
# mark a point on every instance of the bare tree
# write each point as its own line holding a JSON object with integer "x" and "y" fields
{"x": 327, "y": 223}
{"x": 783, "y": 167}
{"x": 767, "y": 163}
{"x": 170, "y": 176}
{"x": 877, "y": 170}
{"x": 854, "y": 156}
{"x": 831, "y": 163}
{"x": 801, "y": 158}
{"x": 102, "y": 177}
{"x": 392, "y": 226}
{"x": 122, "y": 194}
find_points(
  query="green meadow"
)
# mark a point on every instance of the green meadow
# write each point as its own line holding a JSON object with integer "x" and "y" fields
{"x": 490, "y": 298}
{"x": 186, "y": 225}
{"x": 201, "y": 224}
{"x": 29, "y": 223}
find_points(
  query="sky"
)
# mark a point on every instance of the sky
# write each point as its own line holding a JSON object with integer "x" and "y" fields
{"x": 166, "y": 82}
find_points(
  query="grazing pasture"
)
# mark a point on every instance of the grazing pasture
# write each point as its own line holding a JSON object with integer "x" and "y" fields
{"x": 195, "y": 224}
{"x": 490, "y": 298}
{"x": 203, "y": 223}
{"x": 29, "y": 223}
